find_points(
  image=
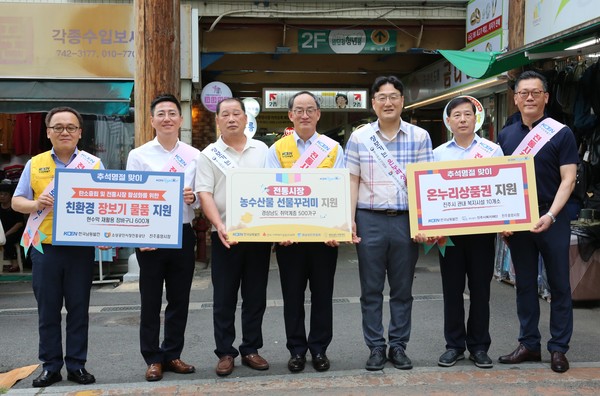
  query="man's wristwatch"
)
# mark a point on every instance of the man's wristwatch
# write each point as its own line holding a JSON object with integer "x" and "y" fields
{"x": 551, "y": 216}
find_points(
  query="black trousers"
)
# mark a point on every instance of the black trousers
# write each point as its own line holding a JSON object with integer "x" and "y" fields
{"x": 63, "y": 273}
{"x": 553, "y": 245}
{"x": 300, "y": 264}
{"x": 472, "y": 258}
{"x": 173, "y": 268}
{"x": 247, "y": 265}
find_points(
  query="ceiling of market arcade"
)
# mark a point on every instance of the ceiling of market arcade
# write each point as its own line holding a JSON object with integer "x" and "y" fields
{"x": 252, "y": 45}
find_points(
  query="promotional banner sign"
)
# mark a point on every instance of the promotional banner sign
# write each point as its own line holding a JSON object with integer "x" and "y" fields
{"x": 483, "y": 195}
{"x": 299, "y": 205}
{"x": 118, "y": 208}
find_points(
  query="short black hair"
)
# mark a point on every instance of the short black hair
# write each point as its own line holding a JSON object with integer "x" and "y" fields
{"x": 231, "y": 99}
{"x": 63, "y": 109}
{"x": 291, "y": 101}
{"x": 341, "y": 95}
{"x": 457, "y": 102}
{"x": 382, "y": 80}
{"x": 528, "y": 75}
{"x": 164, "y": 97}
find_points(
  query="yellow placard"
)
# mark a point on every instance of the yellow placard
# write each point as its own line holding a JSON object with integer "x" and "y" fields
{"x": 298, "y": 205}
{"x": 67, "y": 41}
{"x": 472, "y": 196}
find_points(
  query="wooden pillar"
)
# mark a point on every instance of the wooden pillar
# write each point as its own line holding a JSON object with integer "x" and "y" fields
{"x": 157, "y": 54}
{"x": 516, "y": 38}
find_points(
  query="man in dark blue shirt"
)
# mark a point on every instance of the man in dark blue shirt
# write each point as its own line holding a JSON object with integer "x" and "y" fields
{"x": 555, "y": 172}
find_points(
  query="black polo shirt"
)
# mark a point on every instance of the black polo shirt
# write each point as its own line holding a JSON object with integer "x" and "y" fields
{"x": 560, "y": 150}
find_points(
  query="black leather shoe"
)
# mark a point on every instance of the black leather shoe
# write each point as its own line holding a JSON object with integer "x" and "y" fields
{"x": 47, "y": 378}
{"x": 450, "y": 357}
{"x": 398, "y": 357}
{"x": 376, "y": 359}
{"x": 81, "y": 376}
{"x": 320, "y": 362}
{"x": 296, "y": 363}
{"x": 481, "y": 359}
{"x": 520, "y": 355}
{"x": 559, "y": 362}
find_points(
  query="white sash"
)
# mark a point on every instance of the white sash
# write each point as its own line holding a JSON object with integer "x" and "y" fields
{"x": 219, "y": 158}
{"x": 181, "y": 158}
{"x": 316, "y": 153}
{"x": 538, "y": 137}
{"x": 383, "y": 158}
{"x": 32, "y": 235}
{"x": 484, "y": 149}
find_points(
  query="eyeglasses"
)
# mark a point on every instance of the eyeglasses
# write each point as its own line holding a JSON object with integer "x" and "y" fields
{"x": 309, "y": 111}
{"x": 536, "y": 93}
{"x": 383, "y": 98}
{"x": 61, "y": 128}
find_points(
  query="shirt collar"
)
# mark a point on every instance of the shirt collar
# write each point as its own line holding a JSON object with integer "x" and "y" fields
{"x": 310, "y": 139}
{"x": 55, "y": 157}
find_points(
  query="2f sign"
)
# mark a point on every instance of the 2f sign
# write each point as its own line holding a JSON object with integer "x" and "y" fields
{"x": 312, "y": 40}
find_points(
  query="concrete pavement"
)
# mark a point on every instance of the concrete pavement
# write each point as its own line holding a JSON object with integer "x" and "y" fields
{"x": 115, "y": 360}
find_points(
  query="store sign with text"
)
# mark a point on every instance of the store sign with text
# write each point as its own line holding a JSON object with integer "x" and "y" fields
{"x": 330, "y": 100}
{"x": 349, "y": 41}
{"x": 67, "y": 40}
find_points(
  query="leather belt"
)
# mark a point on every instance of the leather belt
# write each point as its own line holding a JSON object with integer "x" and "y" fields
{"x": 387, "y": 212}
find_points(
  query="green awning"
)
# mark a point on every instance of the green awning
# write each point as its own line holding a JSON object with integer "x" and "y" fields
{"x": 488, "y": 64}
{"x": 87, "y": 97}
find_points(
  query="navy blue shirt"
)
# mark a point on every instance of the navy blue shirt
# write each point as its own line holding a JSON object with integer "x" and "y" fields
{"x": 560, "y": 150}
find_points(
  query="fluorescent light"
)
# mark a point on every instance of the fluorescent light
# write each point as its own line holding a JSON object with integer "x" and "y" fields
{"x": 585, "y": 43}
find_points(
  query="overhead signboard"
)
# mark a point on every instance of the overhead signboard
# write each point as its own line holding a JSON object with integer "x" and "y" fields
{"x": 367, "y": 41}
{"x": 545, "y": 18}
{"x": 342, "y": 99}
{"x": 67, "y": 40}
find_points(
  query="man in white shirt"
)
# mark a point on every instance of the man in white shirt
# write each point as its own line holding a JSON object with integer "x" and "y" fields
{"x": 173, "y": 268}
{"x": 235, "y": 266}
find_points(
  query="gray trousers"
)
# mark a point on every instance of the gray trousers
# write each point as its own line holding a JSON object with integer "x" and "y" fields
{"x": 385, "y": 248}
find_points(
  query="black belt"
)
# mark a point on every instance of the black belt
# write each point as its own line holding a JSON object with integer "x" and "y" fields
{"x": 387, "y": 212}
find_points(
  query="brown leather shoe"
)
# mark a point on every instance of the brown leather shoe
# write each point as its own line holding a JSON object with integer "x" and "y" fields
{"x": 154, "y": 372}
{"x": 559, "y": 362}
{"x": 178, "y": 366}
{"x": 255, "y": 361}
{"x": 520, "y": 355}
{"x": 225, "y": 365}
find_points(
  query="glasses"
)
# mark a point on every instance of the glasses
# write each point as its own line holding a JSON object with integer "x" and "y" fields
{"x": 61, "y": 128}
{"x": 525, "y": 94}
{"x": 383, "y": 98}
{"x": 309, "y": 111}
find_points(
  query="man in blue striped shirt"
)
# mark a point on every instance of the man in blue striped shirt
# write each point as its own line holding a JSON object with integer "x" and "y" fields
{"x": 377, "y": 155}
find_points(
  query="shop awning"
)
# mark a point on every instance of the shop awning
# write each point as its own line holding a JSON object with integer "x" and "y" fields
{"x": 87, "y": 97}
{"x": 487, "y": 64}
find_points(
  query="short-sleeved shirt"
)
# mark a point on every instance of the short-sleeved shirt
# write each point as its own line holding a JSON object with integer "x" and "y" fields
{"x": 152, "y": 156}
{"x": 376, "y": 191}
{"x": 450, "y": 151}
{"x": 210, "y": 178}
{"x": 24, "y": 189}
{"x": 273, "y": 161}
{"x": 560, "y": 150}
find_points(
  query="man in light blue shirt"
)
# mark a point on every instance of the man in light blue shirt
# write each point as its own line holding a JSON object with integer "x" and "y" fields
{"x": 471, "y": 257}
